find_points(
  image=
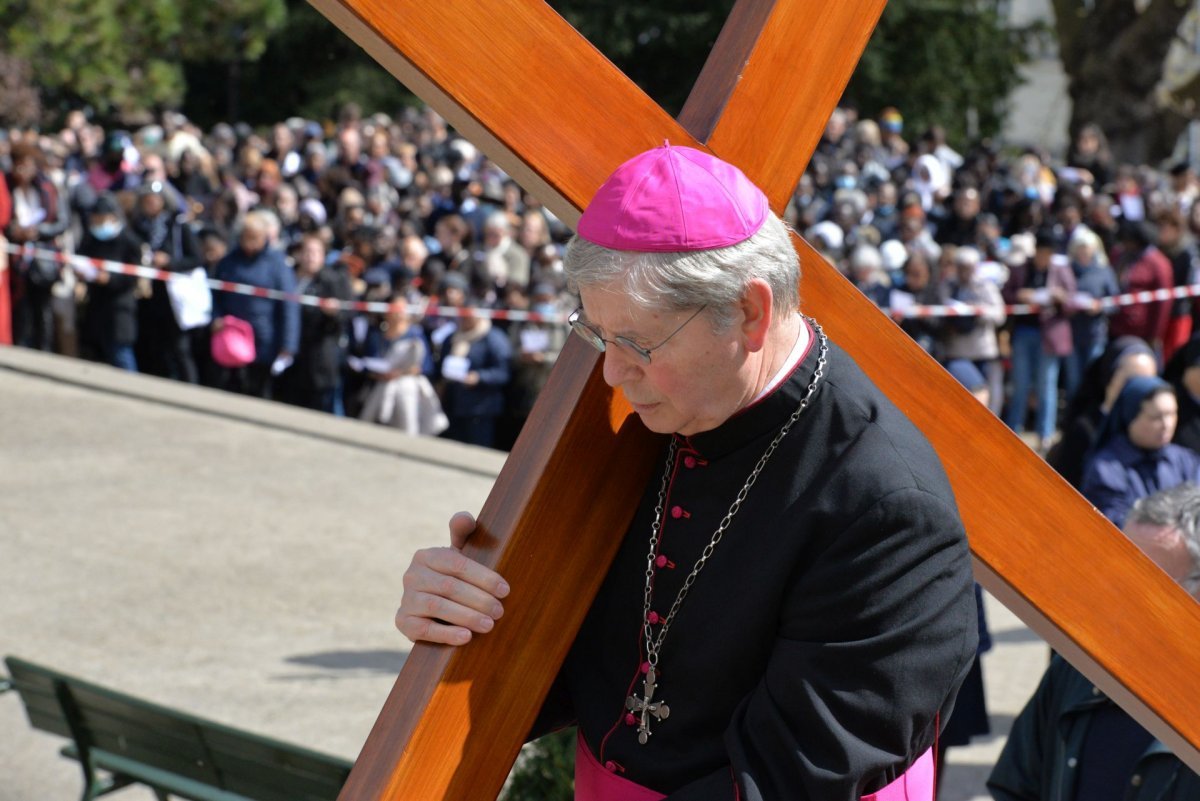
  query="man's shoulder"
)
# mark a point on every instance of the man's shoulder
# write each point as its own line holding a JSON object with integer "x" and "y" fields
{"x": 883, "y": 447}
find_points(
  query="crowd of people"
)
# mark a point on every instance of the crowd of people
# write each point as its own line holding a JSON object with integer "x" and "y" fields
{"x": 397, "y": 211}
{"x": 402, "y": 210}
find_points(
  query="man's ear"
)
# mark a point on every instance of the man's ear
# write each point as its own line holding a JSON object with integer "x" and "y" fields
{"x": 757, "y": 313}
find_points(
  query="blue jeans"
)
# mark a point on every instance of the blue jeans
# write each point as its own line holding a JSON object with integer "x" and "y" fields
{"x": 1033, "y": 368}
{"x": 122, "y": 356}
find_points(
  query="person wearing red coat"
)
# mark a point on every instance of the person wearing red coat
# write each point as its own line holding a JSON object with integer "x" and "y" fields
{"x": 5, "y": 295}
{"x": 1142, "y": 267}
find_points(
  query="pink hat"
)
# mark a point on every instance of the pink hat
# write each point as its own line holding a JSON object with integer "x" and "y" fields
{"x": 672, "y": 199}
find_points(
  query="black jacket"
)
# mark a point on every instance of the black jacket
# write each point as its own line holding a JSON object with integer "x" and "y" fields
{"x": 112, "y": 307}
{"x": 827, "y": 634}
{"x": 318, "y": 362}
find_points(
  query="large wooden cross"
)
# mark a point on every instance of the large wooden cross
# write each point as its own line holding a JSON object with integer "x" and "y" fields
{"x": 519, "y": 82}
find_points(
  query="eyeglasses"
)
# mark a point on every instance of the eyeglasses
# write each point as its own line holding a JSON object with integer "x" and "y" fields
{"x": 593, "y": 338}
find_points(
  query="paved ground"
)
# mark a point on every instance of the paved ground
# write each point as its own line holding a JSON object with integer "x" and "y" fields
{"x": 241, "y": 560}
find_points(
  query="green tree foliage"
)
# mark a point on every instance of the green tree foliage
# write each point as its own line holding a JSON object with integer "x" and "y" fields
{"x": 545, "y": 770}
{"x": 661, "y": 45}
{"x": 946, "y": 62}
{"x": 308, "y": 68}
{"x": 122, "y": 56}
{"x": 1115, "y": 53}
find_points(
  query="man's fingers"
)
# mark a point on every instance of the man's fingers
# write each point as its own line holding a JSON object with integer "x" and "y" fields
{"x": 462, "y": 524}
{"x": 420, "y": 629}
{"x": 447, "y": 573}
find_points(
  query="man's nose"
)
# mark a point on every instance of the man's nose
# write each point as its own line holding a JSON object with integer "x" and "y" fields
{"x": 618, "y": 366}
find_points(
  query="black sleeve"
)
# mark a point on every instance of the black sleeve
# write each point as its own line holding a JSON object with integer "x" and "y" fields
{"x": 1019, "y": 774}
{"x": 874, "y": 642}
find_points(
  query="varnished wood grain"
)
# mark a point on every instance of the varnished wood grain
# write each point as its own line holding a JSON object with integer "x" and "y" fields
{"x": 545, "y": 105}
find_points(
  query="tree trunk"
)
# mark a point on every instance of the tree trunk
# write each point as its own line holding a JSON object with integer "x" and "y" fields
{"x": 1113, "y": 56}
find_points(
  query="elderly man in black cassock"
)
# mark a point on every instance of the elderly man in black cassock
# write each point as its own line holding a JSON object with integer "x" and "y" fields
{"x": 790, "y": 613}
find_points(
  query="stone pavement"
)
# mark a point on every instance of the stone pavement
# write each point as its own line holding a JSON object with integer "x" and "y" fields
{"x": 241, "y": 560}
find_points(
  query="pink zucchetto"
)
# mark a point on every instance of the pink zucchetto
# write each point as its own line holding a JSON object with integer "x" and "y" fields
{"x": 673, "y": 199}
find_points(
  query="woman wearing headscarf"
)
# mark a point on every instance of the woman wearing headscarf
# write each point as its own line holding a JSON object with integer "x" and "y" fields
{"x": 1183, "y": 372}
{"x": 1098, "y": 391}
{"x": 1134, "y": 456}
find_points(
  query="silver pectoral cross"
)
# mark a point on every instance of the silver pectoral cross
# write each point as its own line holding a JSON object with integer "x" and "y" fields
{"x": 645, "y": 707}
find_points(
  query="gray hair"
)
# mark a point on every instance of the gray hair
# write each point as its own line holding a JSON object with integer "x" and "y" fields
{"x": 1177, "y": 508}
{"x": 716, "y": 278}
{"x": 262, "y": 220}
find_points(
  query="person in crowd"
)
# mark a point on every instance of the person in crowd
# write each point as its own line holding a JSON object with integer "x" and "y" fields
{"x": 866, "y": 270}
{"x": 923, "y": 286}
{"x": 1041, "y": 342}
{"x": 535, "y": 346}
{"x": 962, "y": 226}
{"x": 1183, "y": 373}
{"x": 1141, "y": 266}
{"x": 276, "y": 324}
{"x": 1103, "y": 381}
{"x": 1094, "y": 279}
{"x": 1089, "y": 151}
{"x": 454, "y": 238}
{"x": 1180, "y": 248}
{"x": 40, "y": 214}
{"x": 474, "y": 364}
{"x": 312, "y": 380}
{"x": 1134, "y": 455}
{"x": 111, "y": 321}
{"x": 973, "y": 336}
{"x": 800, "y": 690}
{"x": 1070, "y": 740}
{"x": 504, "y": 260}
{"x": 164, "y": 348}
{"x": 154, "y": 171}
{"x": 401, "y": 395}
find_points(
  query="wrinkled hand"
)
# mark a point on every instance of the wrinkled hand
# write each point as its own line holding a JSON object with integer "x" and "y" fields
{"x": 449, "y": 598}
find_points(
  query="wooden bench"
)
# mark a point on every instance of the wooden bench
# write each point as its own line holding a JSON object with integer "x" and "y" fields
{"x": 120, "y": 740}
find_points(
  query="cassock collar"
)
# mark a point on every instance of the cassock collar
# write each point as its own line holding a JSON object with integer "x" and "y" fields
{"x": 763, "y": 416}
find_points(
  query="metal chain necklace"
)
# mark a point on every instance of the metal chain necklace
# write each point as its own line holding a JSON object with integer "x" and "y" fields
{"x": 646, "y": 707}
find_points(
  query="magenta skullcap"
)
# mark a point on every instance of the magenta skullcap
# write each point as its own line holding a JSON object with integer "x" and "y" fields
{"x": 673, "y": 199}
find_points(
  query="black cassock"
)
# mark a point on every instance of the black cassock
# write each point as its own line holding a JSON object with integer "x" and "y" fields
{"x": 827, "y": 634}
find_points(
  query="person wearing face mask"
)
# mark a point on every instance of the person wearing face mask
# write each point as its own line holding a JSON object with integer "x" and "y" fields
{"x": 164, "y": 349}
{"x": 1134, "y": 457}
{"x": 110, "y": 325}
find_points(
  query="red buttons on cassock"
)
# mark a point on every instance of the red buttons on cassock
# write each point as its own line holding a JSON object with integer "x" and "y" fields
{"x": 653, "y": 618}
{"x": 662, "y": 561}
{"x": 610, "y": 766}
{"x": 689, "y": 462}
{"x": 630, "y": 719}
{"x": 645, "y": 667}
{"x": 678, "y": 512}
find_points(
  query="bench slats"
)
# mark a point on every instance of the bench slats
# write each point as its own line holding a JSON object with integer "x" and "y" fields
{"x": 185, "y": 755}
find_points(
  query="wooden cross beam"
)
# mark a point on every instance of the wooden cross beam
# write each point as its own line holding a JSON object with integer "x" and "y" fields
{"x": 520, "y": 83}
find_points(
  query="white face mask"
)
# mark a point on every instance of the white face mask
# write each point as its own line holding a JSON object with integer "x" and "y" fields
{"x": 106, "y": 230}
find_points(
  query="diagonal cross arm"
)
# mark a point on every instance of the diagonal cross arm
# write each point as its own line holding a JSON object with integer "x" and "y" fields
{"x": 519, "y": 82}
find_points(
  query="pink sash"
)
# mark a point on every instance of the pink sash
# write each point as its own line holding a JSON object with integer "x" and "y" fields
{"x": 915, "y": 784}
{"x": 594, "y": 782}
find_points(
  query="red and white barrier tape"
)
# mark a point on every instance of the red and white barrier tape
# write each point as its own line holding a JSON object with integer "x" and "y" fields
{"x": 89, "y": 265}
{"x": 913, "y": 312}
